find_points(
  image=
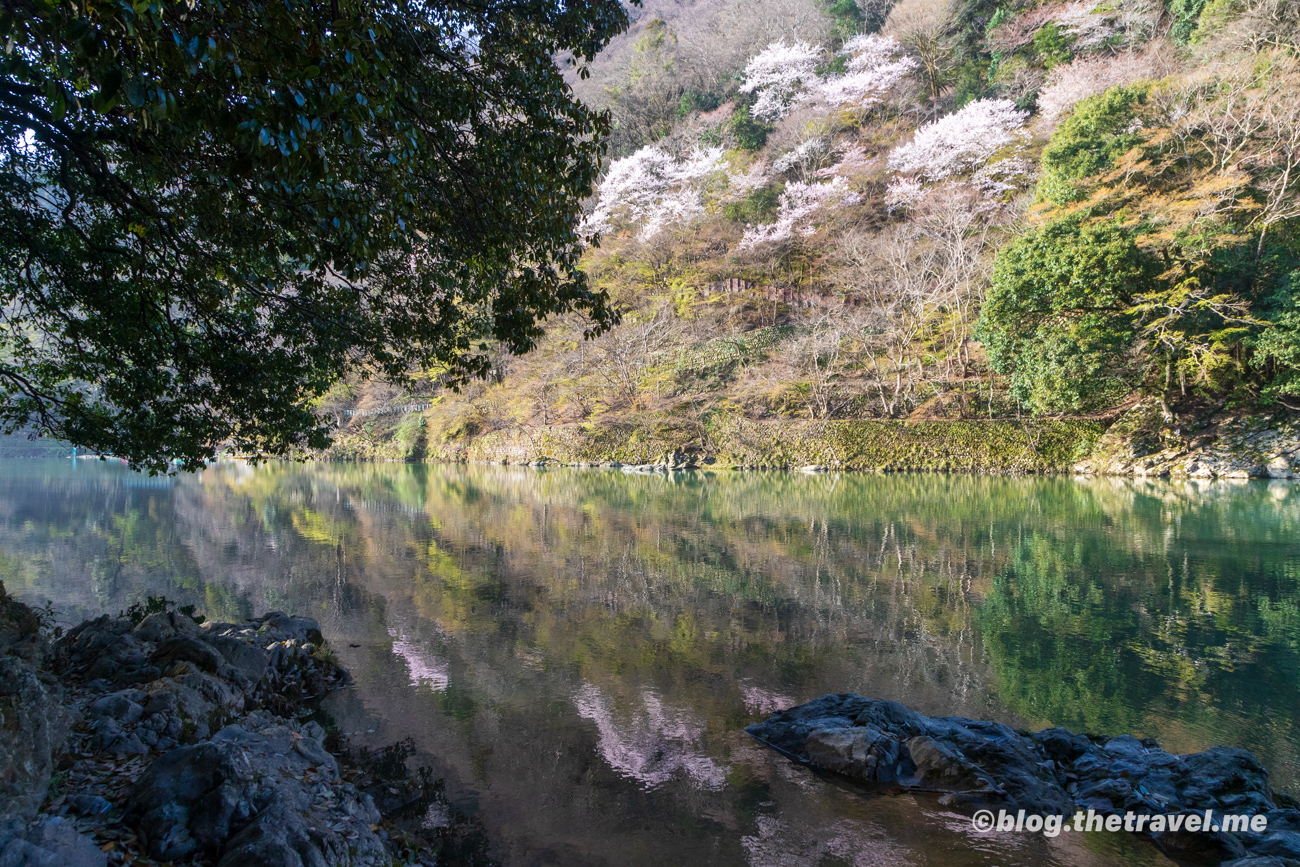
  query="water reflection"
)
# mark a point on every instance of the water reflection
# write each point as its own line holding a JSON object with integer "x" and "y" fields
{"x": 578, "y": 651}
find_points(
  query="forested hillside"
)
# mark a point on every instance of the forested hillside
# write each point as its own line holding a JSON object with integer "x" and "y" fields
{"x": 932, "y": 209}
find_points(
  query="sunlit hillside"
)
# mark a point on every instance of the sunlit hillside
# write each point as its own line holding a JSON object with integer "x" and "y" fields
{"x": 929, "y": 209}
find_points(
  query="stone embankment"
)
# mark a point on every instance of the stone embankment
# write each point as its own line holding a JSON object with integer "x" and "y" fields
{"x": 1149, "y": 441}
{"x": 156, "y": 739}
{"x": 1006, "y": 447}
{"x": 974, "y": 763}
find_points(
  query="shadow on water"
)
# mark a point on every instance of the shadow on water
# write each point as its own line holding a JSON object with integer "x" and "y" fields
{"x": 577, "y": 652}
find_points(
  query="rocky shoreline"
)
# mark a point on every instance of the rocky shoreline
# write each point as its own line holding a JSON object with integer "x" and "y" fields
{"x": 150, "y": 737}
{"x": 1150, "y": 441}
{"x": 977, "y": 763}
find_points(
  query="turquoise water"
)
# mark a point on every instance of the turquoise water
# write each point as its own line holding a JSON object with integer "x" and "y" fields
{"x": 578, "y": 651}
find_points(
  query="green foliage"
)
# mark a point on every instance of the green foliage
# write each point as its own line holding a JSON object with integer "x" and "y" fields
{"x": 1214, "y": 15}
{"x": 972, "y": 82}
{"x": 210, "y": 213}
{"x": 1057, "y": 317}
{"x": 759, "y": 206}
{"x": 749, "y": 134}
{"x": 1186, "y": 15}
{"x": 849, "y": 19}
{"x": 1277, "y": 348}
{"x": 1089, "y": 141}
{"x": 1053, "y": 45}
{"x": 694, "y": 101}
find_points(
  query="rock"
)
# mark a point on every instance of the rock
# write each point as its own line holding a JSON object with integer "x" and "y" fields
{"x": 1279, "y": 468}
{"x": 246, "y": 662}
{"x": 983, "y": 760}
{"x": 1054, "y": 771}
{"x": 162, "y": 626}
{"x": 33, "y": 725}
{"x": 52, "y": 842}
{"x": 254, "y": 797}
{"x": 125, "y": 706}
{"x": 107, "y": 648}
{"x": 278, "y": 626}
{"x": 186, "y": 648}
{"x": 111, "y": 738}
{"x": 88, "y": 805}
{"x": 814, "y": 468}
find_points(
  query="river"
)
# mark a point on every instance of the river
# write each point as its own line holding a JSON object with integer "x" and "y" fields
{"x": 577, "y": 651}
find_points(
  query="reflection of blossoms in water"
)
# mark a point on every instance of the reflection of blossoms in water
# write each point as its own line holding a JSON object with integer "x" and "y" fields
{"x": 652, "y": 743}
{"x": 424, "y": 667}
{"x": 759, "y": 700}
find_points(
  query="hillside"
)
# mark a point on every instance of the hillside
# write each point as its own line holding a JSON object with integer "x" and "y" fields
{"x": 931, "y": 210}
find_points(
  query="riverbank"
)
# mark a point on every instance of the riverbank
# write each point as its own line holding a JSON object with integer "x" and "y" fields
{"x": 152, "y": 737}
{"x": 1144, "y": 441}
{"x": 1031, "y": 446}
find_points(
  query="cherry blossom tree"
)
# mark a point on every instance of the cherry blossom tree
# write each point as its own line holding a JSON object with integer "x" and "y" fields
{"x": 961, "y": 144}
{"x": 651, "y": 190}
{"x": 800, "y": 204}
{"x": 779, "y": 74}
{"x": 961, "y": 141}
{"x": 876, "y": 65}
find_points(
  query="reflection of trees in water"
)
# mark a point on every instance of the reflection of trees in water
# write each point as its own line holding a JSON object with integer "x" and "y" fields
{"x": 1109, "y": 604}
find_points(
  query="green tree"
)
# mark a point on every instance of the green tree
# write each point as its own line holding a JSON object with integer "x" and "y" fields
{"x": 211, "y": 212}
{"x": 1089, "y": 141}
{"x": 1058, "y": 315}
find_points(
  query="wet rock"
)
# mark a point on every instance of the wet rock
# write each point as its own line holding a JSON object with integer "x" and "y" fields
{"x": 1051, "y": 772}
{"x": 983, "y": 761}
{"x": 276, "y": 626}
{"x": 33, "y": 725}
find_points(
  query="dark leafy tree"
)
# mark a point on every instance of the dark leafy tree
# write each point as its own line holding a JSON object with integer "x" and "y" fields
{"x": 210, "y": 212}
{"x": 1058, "y": 318}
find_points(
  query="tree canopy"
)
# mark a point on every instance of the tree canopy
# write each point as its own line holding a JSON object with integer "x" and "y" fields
{"x": 210, "y": 212}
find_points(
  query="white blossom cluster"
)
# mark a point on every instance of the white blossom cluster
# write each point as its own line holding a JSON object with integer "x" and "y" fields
{"x": 958, "y": 144}
{"x": 780, "y": 74}
{"x": 786, "y": 75}
{"x": 650, "y": 190}
{"x": 876, "y": 65}
{"x": 1087, "y": 28}
{"x": 800, "y": 204}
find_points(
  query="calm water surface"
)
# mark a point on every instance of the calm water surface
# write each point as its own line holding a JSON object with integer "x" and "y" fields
{"x": 578, "y": 651}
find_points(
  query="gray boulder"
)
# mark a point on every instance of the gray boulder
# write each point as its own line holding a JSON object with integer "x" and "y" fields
{"x": 52, "y": 842}
{"x": 266, "y": 793}
{"x": 1051, "y": 772}
{"x": 33, "y": 725}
